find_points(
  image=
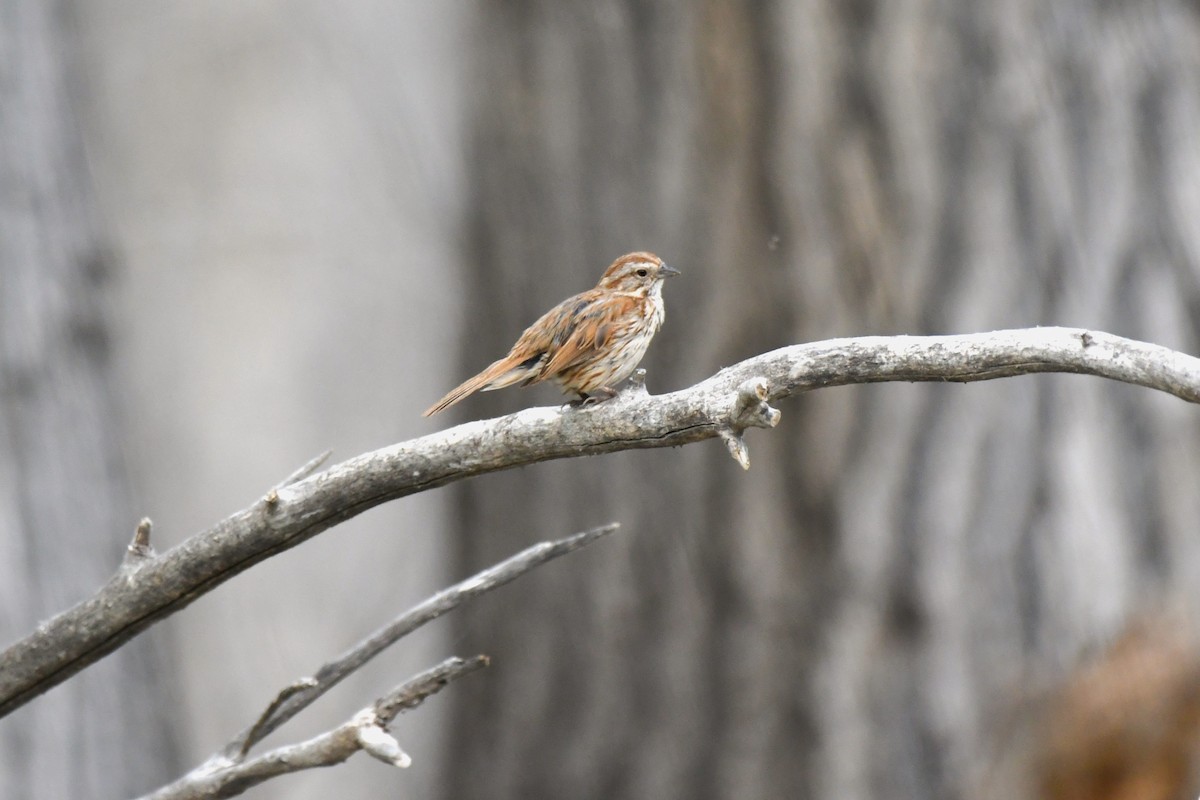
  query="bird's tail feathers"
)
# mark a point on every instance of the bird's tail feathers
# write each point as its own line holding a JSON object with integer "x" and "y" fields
{"x": 500, "y": 374}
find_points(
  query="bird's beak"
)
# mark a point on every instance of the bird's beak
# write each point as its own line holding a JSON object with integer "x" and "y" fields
{"x": 667, "y": 272}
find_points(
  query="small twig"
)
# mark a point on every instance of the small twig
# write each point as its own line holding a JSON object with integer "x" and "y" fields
{"x": 307, "y": 469}
{"x": 413, "y": 692}
{"x": 366, "y": 730}
{"x": 257, "y": 733}
{"x": 299, "y": 696}
{"x": 139, "y": 549}
{"x": 272, "y": 496}
{"x": 750, "y": 410}
{"x": 228, "y": 772}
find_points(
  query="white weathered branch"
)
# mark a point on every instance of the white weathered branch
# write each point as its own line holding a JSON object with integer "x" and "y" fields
{"x": 229, "y": 772}
{"x": 160, "y": 585}
{"x": 366, "y": 730}
{"x": 295, "y": 698}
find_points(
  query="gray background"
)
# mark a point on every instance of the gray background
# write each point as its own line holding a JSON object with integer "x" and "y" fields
{"x": 236, "y": 234}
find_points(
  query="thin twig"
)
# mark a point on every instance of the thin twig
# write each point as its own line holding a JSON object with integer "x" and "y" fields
{"x": 139, "y": 549}
{"x": 366, "y": 730}
{"x": 306, "y": 470}
{"x": 312, "y": 465}
{"x": 303, "y": 693}
{"x": 258, "y": 731}
{"x": 413, "y": 692}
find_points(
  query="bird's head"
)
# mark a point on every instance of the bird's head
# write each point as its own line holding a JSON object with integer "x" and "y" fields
{"x": 636, "y": 272}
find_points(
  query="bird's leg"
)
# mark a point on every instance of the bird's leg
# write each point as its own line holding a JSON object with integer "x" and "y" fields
{"x": 592, "y": 399}
{"x": 597, "y": 395}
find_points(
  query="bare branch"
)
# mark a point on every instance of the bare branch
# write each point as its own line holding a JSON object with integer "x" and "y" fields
{"x": 295, "y": 698}
{"x": 134, "y": 599}
{"x": 366, "y": 730}
{"x": 227, "y": 771}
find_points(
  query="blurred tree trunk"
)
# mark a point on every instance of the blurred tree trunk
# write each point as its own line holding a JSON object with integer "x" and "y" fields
{"x": 64, "y": 502}
{"x": 861, "y": 614}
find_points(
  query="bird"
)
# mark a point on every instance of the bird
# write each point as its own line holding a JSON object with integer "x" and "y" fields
{"x": 588, "y": 343}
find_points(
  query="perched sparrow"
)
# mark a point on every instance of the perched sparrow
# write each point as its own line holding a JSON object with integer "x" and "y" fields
{"x": 588, "y": 343}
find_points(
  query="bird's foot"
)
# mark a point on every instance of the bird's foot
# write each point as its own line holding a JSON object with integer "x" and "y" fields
{"x": 599, "y": 395}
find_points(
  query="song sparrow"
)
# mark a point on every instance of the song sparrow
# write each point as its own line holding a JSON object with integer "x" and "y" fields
{"x": 587, "y": 343}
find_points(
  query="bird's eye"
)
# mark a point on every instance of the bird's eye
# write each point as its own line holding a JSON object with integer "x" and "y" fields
{"x": 641, "y": 273}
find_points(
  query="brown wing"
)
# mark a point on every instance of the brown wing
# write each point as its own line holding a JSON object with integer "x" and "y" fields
{"x": 566, "y": 335}
{"x": 545, "y": 336}
{"x": 592, "y": 328}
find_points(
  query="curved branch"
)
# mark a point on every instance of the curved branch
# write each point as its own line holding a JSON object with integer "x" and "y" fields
{"x": 724, "y": 405}
{"x": 303, "y": 693}
{"x": 366, "y": 730}
{"x": 230, "y": 771}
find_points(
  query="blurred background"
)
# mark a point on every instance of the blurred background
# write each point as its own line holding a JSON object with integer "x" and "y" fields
{"x": 234, "y": 234}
